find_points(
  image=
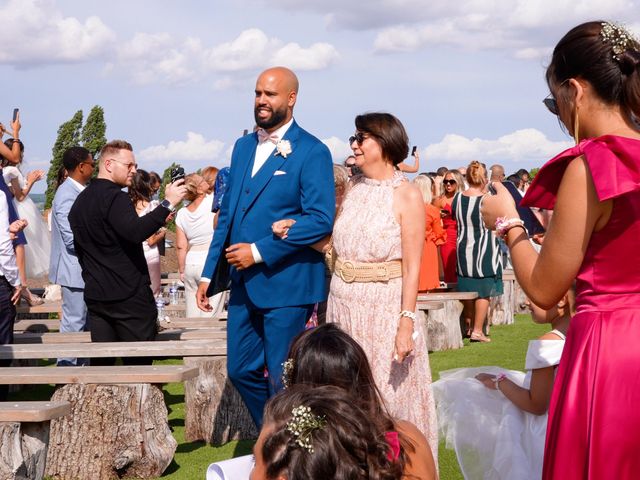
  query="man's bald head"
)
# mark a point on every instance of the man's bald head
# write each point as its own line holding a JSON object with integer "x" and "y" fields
{"x": 276, "y": 94}
{"x": 497, "y": 173}
{"x": 284, "y": 75}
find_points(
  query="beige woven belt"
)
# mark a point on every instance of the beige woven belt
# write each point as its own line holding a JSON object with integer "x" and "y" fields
{"x": 350, "y": 271}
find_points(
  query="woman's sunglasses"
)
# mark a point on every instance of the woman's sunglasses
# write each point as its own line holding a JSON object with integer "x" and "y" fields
{"x": 358, "y": 137}
{"x": 449, "y": 182}
{"x": 551, "y": 104}
{"x": 550, "y": 101}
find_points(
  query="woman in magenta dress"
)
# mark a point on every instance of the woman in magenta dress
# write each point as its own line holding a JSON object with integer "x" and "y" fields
{"x": 594, "y": 189}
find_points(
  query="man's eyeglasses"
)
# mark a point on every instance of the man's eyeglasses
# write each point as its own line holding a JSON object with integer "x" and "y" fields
{"x": 449, "y": 182}
{"x": 358, "y": 137}
{"x": 130, "y": 166}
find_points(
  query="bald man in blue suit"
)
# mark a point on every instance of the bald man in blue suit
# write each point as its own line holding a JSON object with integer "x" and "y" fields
{"x": 281, "y": 171}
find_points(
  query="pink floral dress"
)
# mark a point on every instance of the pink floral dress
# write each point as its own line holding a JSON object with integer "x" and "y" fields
{"x": 366, "y": 230}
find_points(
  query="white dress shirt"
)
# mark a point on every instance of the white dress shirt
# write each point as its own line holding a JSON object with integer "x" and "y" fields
{"x": 263, "y": 152}
{"x": 266, "y": 148}
{"x": 8, "y": 266}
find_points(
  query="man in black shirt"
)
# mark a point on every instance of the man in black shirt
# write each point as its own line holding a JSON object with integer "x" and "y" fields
{"x": 108, "y": 236}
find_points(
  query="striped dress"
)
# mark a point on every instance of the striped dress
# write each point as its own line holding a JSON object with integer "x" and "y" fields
{"x": 479, "y": 262}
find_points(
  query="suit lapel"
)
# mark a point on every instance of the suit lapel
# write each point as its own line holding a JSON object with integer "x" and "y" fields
{"x": 240, "y": 177}
{"x": 273, "y": 163}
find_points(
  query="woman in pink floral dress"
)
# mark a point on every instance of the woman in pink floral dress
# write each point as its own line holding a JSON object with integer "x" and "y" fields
{"x": 377, "y": 238}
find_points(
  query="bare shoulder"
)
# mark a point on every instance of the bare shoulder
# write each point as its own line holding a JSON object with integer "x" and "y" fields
{"x": 408, "y": 192}
{"x": 410, "y": 431}
{"x": 550, "y": 336}
{"x": 420, "y": 463}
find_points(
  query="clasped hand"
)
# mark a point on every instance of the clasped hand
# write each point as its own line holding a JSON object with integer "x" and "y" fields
{"x": 240, "y": 256}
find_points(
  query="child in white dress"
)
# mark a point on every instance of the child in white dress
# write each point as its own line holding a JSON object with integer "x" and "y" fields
{"x": 35, "y": 261}
{"x": 496, "y": 419}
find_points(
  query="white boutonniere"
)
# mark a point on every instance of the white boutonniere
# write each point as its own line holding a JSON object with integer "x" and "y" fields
{"x": 283, "y": 147}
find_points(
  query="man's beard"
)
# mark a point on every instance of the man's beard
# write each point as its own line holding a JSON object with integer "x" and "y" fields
{"x": 277, "y": 117}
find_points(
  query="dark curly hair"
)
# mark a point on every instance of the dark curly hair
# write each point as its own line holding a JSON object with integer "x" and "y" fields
{"x": 349, "y": 446}
{"x": 327, "y": 355}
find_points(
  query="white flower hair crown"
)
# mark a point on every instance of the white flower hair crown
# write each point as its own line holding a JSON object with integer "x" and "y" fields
{"x": 302, "y": 424}
{"x": 616, "y": 36}
{"x": 283, "y": 147}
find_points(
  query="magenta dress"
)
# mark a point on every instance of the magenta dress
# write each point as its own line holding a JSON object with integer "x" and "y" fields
{"x": 594, "y": 415}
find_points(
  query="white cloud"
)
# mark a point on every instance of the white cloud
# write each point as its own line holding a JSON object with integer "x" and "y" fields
{"x": 160, "y": 58}
{"x": 339, "y": 149}
{"x": 522, "y": 145}
{"x": 193, "y": 153}
{"x": 254, "y": 49}
{"x": 34, "y": 32}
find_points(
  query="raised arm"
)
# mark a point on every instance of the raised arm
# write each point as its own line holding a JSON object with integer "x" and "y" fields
{"x": 545, "y": 278}
{"x": 403, "y": 167}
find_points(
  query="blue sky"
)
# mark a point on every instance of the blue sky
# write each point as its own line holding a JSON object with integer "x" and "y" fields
{"x": 176, "y": 79}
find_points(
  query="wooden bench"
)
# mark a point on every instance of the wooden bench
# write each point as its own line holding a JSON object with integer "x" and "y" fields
{"x": 502, "y": 309}
{"x": 24, "y": 429}
{"x": 46, "y": 307}
{"x": 218, "y": 332}
{"x": 45, "y": 325}
{"x": 443, "y": 325}
{"x": 117, "y": 424}
{"x": 214, "y": 411}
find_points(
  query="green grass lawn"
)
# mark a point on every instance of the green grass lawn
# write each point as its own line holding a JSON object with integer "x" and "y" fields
{"x": 507, "y": 349}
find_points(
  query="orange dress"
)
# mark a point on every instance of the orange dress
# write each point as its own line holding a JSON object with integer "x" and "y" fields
{"x": 435, "y": 235}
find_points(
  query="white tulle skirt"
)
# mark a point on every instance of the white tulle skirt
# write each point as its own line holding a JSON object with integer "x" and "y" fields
{"x": 493, "y": 439}
{"x": 38, "y": 248}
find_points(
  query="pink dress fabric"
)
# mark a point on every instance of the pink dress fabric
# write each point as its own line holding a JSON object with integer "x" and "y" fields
{"x": 594, "y": 415}
{"x": 366, "y": 230}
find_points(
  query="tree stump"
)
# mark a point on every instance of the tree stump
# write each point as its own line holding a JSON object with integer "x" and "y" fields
{"x": 214, "y": 410}
{"x": 443, "y": 327}
{"x": 23, "y": 450}
{"x": 113, "y": 431}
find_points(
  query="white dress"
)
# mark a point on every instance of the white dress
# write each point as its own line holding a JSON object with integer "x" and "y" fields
{"x": 197, "y": 227}
{"x": 493, "y": 439}
{"x": 38, "y": 248}
{"x": 152, "y": 255}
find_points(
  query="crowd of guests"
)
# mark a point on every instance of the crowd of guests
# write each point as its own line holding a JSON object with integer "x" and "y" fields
{"x": 357, "y": 400}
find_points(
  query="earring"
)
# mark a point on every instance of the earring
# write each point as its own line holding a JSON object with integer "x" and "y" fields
{"x": 576, "y": 126}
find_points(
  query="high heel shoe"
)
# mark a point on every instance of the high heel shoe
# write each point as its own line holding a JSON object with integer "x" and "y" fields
{"x": 479, "y": 337}
{"x": 30, "y": 298}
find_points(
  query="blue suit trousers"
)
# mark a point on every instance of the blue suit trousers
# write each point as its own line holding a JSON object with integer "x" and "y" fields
{"x": 259, "y": 338}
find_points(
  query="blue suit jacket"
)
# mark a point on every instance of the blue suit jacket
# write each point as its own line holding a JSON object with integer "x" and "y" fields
{"x": 64, "y": 268}
{"x": 292, "y": 273}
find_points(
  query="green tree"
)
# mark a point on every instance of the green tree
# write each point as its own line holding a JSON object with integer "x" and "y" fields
{"x": 533, "y": 172}
{"x": 94, "y": 131}
{"x": 68, "y": 136}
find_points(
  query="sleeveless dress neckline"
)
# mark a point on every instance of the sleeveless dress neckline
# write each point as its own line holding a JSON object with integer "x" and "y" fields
{"x": 397, "y": 179}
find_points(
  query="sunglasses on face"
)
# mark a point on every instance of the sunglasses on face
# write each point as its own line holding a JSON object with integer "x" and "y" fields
{"x": 358, "y": 137}
{"x": 551, "y": 104}
{"x": 550, "y": 101}
{"x": 449, "y": 182}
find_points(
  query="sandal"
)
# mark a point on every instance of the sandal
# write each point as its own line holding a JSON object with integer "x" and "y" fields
{"x": 30, "y": 298}
{"x": 479, "y": 337}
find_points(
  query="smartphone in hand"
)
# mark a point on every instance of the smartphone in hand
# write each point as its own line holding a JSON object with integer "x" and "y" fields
{"x": 15, "y": 113}
{"x": 413, "y": 150}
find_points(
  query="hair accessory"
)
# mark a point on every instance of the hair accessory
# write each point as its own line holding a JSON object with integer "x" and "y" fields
{"x": 302, "y": 424}
{"x": 287, "y": 369}
{"x": 619, "y": 39}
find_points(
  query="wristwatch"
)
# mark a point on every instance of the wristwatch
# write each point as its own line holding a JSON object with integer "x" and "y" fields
{"x": 166, "y": 204}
